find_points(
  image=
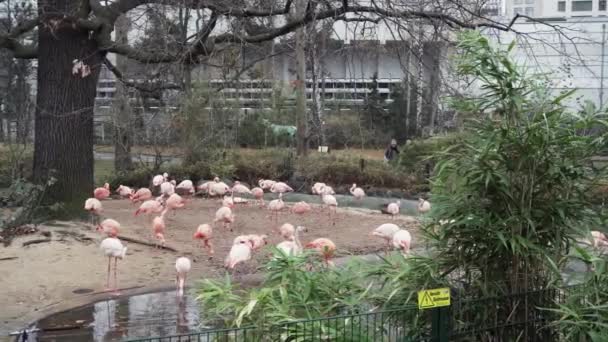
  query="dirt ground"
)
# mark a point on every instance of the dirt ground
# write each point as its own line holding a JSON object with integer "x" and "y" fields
{"x": 43, "y": 276}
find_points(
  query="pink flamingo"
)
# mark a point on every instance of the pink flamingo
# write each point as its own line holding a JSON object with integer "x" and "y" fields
{"x": 301, "y": 208}
{"x": 158, "y": 226}
{"x": 149, "y": 207}
{"x": 109, "y": 227}
{"x": 266, "y": 184}
{"x": 240, "y": 188}
{"x": 280, "y": 187}
{"x": 185, "y": 188}
{"x": 167, "y": 188}
{"x": 258, "y": 241}
{"x": 258, "y": 193}
{"x": 182, "y": 267}
{"x": 599, "y": 239}
{"x": 141, "y": 195}
{"x": 218, "y": 188}
{"x": 239, "y": 252}
{"x": 94, "y": 207}
{"x": 113, "y": 249}
{"x": 175, "y": 202}
{"x": 204, "y": 232}
{"x": 102, "y": 193}
{"x": 402, "y": 241}
{"x": 393, "y": 209}
{"x": 224, "y": 215}
{"x": 325, "y": 247}
{"x": 317, "y": 187}
{"x": 204, "y": 187}
{"x": 386, "y": 231}
{"x": 124, "y": 191}
{"x": 358, "y": 193}
{"x": 288, "y": 231}
{"x": 332, "y": 205}
{"x": 292, "y": 245}
{"x": 424, "y": 206}
{"x": 159, "y": 179}
{"x": 275, "y": 206}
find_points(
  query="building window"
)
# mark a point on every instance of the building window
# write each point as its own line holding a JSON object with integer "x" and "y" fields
{"x": 602, "y": 5}
{"x": 517, "y": 2}
{"x": 529, "y": 2}
{"x": 582, "y": 6}
{"x": 561, "y": 6}
{"x": 530, "y": 11}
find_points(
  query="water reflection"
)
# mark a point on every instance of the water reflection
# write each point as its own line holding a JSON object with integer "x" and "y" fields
{"x": 154, "y": 314}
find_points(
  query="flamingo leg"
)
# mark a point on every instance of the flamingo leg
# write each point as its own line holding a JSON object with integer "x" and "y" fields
{"x": 208, "y": 244}
{"x": 115, "y": 278}
{"x": 108, "y": 278}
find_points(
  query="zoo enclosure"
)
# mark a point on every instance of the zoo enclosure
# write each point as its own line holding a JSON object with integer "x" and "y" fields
{"x": 516, "y": 317}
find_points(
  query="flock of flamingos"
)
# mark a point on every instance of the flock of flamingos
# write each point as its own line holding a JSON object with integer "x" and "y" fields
{"x": 173, "y": 196}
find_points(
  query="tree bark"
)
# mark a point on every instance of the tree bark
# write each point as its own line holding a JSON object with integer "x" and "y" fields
{"x": 301, "y": 116}
{"x": 122, "y": 108}
{"x": 64, "y": 112}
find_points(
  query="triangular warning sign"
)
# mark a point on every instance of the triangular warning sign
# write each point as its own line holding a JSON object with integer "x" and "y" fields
{"x": 426, "y": 300}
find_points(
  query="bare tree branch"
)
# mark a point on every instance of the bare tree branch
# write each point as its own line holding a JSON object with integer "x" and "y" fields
{"x": 10, "y": 40}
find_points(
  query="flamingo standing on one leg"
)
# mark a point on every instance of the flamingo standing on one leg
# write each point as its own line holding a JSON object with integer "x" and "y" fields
{"x": 275, "y": 206}
{"x": 113, "y": 249}
{"x": 94, "y": 207}
{"x": 258, "y": 193}
{"x": 224, "y": 215}
{"x": 182, "y": 267}
{"x": 332, "y": 205}
{"x": 204, "y": 232}
{"x": 393, "y": 209}
{"x": 158, "y": 227}
{"x": 102, "y": 193}
{"x": 280, "y": 188}
{"x": 175, "y": 202}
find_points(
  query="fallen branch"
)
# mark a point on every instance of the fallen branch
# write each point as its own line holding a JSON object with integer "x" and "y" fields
{"x": 146, "y": 243}
{"x": 122, "y": 289}
{"x": 8, "y": 258}
{"x": 33, "y": 242}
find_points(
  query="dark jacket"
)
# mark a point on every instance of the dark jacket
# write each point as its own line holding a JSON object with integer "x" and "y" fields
{"x": 391, "y": 152}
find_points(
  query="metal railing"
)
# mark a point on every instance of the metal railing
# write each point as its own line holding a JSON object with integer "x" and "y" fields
{"x": 517, "y": 317}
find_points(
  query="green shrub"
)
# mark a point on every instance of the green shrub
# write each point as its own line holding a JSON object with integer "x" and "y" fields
{"x": 414, "y": 157}
{"x": 16, "y": 162}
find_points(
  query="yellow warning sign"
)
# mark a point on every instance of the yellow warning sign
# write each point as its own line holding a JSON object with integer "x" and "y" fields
{"x": 433, "y": 298}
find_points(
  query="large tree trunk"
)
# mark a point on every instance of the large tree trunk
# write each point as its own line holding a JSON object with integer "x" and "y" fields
{"x": 122, "y": 108}
{"x": 64, "y": 111}
{"x": 301, "y": 115}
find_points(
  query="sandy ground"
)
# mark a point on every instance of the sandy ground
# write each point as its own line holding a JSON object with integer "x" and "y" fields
{"x": 46, "y": 277}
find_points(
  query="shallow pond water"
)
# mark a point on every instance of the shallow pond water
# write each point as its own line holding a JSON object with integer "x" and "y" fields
{"x": 152, "y": 314}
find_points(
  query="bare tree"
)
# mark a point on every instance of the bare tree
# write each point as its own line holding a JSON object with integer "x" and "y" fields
{"x": 74, "y": 36}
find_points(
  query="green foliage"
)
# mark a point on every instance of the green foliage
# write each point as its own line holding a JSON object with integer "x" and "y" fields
{"x": 335, "y": 169}
{"x": 414, "y": 157}
{"x": 516, "y": 186}
{"x": 584, "y": 314}
{"x": 289, "y": 292}
{"x": 15, "y": 162}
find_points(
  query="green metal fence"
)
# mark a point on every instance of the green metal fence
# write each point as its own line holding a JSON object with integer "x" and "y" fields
{"x": 518, "y": 317}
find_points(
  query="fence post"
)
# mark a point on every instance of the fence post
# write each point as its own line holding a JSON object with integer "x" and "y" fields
{"x": 440, "y": 322}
